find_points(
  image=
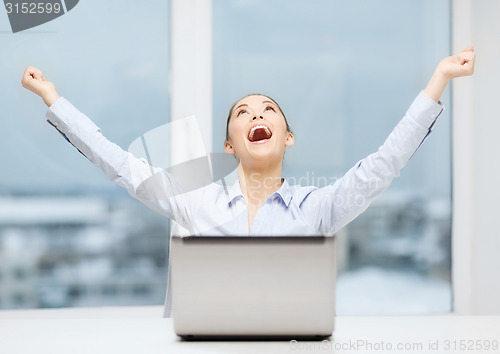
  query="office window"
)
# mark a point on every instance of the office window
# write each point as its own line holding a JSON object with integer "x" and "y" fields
{"x": 19, "y": 274}
{"x": 345, "y": 72}
{"x": 18, "y": 299}
{"x": 69, "y": 228}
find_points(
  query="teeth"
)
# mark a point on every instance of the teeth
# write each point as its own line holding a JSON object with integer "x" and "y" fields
{"x": 250, "y": 136}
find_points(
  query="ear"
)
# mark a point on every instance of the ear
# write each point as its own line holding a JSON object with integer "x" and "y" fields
{"x": 289, "y": 139}
{"x": 229, "y": 148}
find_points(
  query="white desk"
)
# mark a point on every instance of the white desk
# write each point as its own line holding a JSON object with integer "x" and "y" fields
{"x": 142, "y": 330}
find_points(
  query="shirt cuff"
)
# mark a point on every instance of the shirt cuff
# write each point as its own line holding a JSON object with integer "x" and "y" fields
{"x": 425, "y": 110}
{"x": 67, "y": 118}
{"x": 58, "y": 110}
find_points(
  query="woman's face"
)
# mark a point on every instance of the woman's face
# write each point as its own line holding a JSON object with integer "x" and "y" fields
{"x": 257, "y": 131}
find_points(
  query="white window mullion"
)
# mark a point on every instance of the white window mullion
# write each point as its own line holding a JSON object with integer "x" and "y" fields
{"x": 464, "y": 228}
{"x": 191, "y": 75}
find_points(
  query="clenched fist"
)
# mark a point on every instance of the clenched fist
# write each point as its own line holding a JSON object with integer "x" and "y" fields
{"x": 450, "y": 67}
{"x": 458, "y": 65}
{"x": 34, "y": 81}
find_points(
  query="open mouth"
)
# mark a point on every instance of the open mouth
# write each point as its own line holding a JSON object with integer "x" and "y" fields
{"x": 259, "y": 133}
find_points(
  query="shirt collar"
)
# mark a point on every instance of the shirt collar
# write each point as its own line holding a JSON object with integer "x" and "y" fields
{"x": 284, "y": 192}
{"x": 234, "y": 191}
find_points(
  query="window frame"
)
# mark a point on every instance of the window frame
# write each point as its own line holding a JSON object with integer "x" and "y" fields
{"x": 191, "y": 93}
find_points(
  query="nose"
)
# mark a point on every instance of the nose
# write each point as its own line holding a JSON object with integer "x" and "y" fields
{"x": 254, "y": 118}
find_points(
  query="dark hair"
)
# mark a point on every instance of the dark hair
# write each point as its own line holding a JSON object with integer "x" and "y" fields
{"x": 254, "y": 94}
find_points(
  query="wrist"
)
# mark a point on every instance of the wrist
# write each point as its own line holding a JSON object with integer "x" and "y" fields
{"x": 50, "y": 97}
{"x": 440, "y": 77}
{"x": 436, "y": 85}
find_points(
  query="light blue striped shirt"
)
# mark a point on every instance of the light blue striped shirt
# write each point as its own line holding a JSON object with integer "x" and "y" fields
{"x": 216, "y": 210}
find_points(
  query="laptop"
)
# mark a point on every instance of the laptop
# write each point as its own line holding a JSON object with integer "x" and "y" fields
{"x": 260, "y": 287}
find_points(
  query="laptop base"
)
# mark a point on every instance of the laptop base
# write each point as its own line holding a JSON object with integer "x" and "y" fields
{"x": 253, "y": 337}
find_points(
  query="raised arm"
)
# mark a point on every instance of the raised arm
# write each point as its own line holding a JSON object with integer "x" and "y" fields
{"x": 343, "y": 201}
{"x": 153, "y": 186}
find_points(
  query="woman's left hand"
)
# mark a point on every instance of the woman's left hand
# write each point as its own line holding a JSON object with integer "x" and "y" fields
{"x": 458, "y": 65}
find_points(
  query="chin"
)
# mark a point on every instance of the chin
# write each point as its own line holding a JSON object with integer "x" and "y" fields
{"x": 264, "y": 157}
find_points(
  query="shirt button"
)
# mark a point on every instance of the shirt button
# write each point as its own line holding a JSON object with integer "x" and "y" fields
{"x": 433, "y": 116}
{"x": 56, "y": 124}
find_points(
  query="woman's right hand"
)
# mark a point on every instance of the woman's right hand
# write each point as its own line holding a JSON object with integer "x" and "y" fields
{"x": 34, "y": 81}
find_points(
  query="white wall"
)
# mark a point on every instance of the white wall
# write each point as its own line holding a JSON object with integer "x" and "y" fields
{"x": 476, "y": 149}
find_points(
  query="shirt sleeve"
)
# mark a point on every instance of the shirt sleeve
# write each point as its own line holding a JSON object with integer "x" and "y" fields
{"x": 334, "y": 206}
{"x": 152, "y": 186}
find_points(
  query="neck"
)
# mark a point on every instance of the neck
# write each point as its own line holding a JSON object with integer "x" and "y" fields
{"x": 258, "y": 183}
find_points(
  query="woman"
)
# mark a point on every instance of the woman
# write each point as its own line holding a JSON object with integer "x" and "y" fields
{"x": 261, "y": 201}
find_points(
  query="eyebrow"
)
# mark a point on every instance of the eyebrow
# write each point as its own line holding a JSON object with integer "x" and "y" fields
{"x": 241, "y": 105}
{"x": 244, "y": 104}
